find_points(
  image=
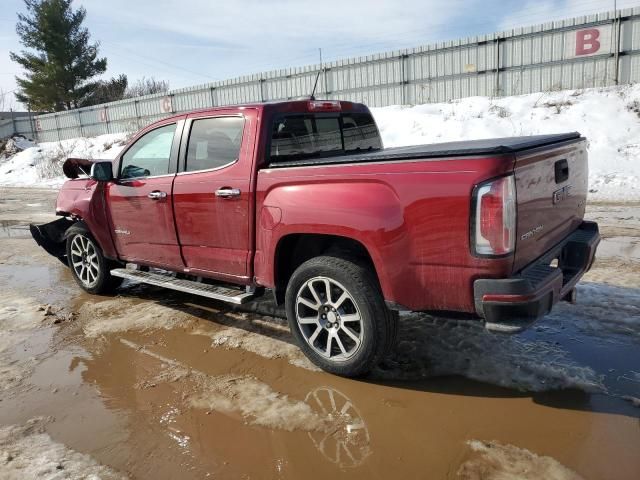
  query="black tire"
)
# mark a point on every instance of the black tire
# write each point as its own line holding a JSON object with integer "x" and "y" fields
{"x": 94, "y": 271}
{"x": 375, "y": 328}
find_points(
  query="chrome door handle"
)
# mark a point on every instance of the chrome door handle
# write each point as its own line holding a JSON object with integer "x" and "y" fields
{"x": 157, "y": 195}
{"x": 226, "y": 192}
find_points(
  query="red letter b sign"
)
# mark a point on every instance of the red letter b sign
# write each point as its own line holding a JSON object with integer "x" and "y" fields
{"x": 587, "y": 41}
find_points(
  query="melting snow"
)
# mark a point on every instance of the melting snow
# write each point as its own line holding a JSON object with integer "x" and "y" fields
{"x": 27, "y": 452}
{"x": 608, "y": 117}
{"x": 495, "y": 461}
{"x": 241, "y": 395}
{"x": 41, "y": 165}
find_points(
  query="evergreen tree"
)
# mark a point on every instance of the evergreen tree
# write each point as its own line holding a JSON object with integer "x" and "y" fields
{"x": 61, "y": 61}
{"x": 106, "y": 91}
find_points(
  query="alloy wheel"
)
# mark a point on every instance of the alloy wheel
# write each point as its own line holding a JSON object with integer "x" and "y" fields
{"x": 84, "y": 260}
{"x": 329, "y": 318}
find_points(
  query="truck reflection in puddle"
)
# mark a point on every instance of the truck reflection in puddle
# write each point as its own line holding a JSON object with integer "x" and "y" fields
{"x": 347, "y": 444}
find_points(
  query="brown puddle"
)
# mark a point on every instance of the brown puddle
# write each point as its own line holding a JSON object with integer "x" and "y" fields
{"x": 157, "y": 385}
{"x": 113, "y": 401}
{"x": 14, "y": 229}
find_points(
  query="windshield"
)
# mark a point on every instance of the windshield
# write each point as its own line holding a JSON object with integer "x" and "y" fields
{"x": 296, "y": 137}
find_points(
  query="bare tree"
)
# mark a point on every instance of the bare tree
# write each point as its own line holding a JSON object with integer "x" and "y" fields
{"x": 146, "y": 86}
{"x": 3, "y": 100}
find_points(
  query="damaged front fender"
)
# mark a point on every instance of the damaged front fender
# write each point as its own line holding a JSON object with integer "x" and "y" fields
{"x": 51, "y": 237}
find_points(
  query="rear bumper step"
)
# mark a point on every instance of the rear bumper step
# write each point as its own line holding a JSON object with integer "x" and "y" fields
{"x": 510, "y": 305}
{"x": 216, "y": 292}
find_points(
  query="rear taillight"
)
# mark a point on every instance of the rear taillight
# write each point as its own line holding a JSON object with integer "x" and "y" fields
{"x": 495, "y": 217}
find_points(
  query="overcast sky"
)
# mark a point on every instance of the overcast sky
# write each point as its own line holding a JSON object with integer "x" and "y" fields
{"x": 192, "y": 42}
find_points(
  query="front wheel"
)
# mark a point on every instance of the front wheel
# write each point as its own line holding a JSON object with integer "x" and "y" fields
{"x": 337, "y": 315}
{"x": 89, "y": 267}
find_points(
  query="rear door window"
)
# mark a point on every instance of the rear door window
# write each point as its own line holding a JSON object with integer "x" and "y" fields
{"x": 214, "y": 143}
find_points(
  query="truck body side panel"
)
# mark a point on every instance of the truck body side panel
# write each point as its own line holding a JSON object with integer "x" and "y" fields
{"x": 412, "y": 217}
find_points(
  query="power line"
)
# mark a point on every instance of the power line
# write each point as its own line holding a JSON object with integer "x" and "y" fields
{"x": 346, "y": 48}
{"x": 536, "y": 16}
{"x": 407, "y": 39}
{"x": 157, "y": 60}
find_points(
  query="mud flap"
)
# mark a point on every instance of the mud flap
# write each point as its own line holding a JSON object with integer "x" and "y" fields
{"x": 50, "y": 236}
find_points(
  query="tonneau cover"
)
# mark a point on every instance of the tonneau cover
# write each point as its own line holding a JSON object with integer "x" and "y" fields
{"x": 490, "y": 146}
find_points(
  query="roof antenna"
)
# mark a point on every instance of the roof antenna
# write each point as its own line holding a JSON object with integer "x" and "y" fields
{"x": 312, "y": 97}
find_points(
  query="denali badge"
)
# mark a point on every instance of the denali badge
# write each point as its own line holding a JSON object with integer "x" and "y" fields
{"x": 562, "y": 194}
{"x": 532, "y": 232}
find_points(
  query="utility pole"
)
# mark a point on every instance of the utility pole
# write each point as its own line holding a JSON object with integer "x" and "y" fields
{"x": 616, "y": 42}
{"x": 13, "y": 121}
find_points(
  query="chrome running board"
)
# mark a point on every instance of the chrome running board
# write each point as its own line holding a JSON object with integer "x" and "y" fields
{"x": 216, "y": 292}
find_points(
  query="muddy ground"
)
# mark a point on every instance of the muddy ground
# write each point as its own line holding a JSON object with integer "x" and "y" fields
{"x": 151, "y": 384}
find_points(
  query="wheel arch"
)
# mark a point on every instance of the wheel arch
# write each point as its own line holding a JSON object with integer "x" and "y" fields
{"x": 87, "y": 203}
{"x": 78, "y": 224}
{"x": 294, "y": 249}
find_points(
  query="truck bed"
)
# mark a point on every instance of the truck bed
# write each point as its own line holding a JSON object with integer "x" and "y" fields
{"x": 491, "y": 146}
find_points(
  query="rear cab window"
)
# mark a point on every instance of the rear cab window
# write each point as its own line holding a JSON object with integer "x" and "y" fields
{"x": 319, "y": 135}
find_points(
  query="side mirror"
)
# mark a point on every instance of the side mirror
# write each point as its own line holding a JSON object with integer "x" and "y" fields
{"x": 102, "y": 171}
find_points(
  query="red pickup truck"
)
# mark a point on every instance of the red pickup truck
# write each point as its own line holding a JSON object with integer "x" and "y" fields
{"x": 301, "y": 198}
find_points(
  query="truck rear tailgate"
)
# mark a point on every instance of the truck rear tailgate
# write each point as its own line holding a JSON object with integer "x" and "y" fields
{"x": 551, "y": 190}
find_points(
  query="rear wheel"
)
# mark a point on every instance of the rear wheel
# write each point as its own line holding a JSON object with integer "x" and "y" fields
{"x": 337, "y": 314}
{"x": 89, "y": 267}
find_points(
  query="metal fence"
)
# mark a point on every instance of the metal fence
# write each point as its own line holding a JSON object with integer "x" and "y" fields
{"x": 18, "y": 124}
{"x": 590, "y": 51}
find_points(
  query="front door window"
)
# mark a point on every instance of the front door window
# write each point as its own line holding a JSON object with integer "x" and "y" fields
{"x": 150, "y": 155}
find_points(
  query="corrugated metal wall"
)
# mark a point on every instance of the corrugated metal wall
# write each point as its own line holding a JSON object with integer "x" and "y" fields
{"x": 575, "y": 53}
{"x": 24, "y": 125}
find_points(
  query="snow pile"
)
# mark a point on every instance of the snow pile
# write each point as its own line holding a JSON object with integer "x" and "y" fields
{"x": 28, "y": 452}
{"x": 128, "y": 314}
{"x": 257, "y": 403}
{"x": 14, "y": 145}
{"x": 495, "y": 461}
{"x": 608, "y": 117}
{"x": 41, "y": 165}
{"x": 21, "y": 143}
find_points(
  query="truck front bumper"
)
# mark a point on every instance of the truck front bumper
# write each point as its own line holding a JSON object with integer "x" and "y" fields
{"x": 50, "y": 236}
{"x": 510, "y": 305}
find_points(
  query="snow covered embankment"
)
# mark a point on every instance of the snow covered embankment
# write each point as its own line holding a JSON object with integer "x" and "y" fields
{"x": 40, "y": 165}
{"x": 608, "y": 117}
